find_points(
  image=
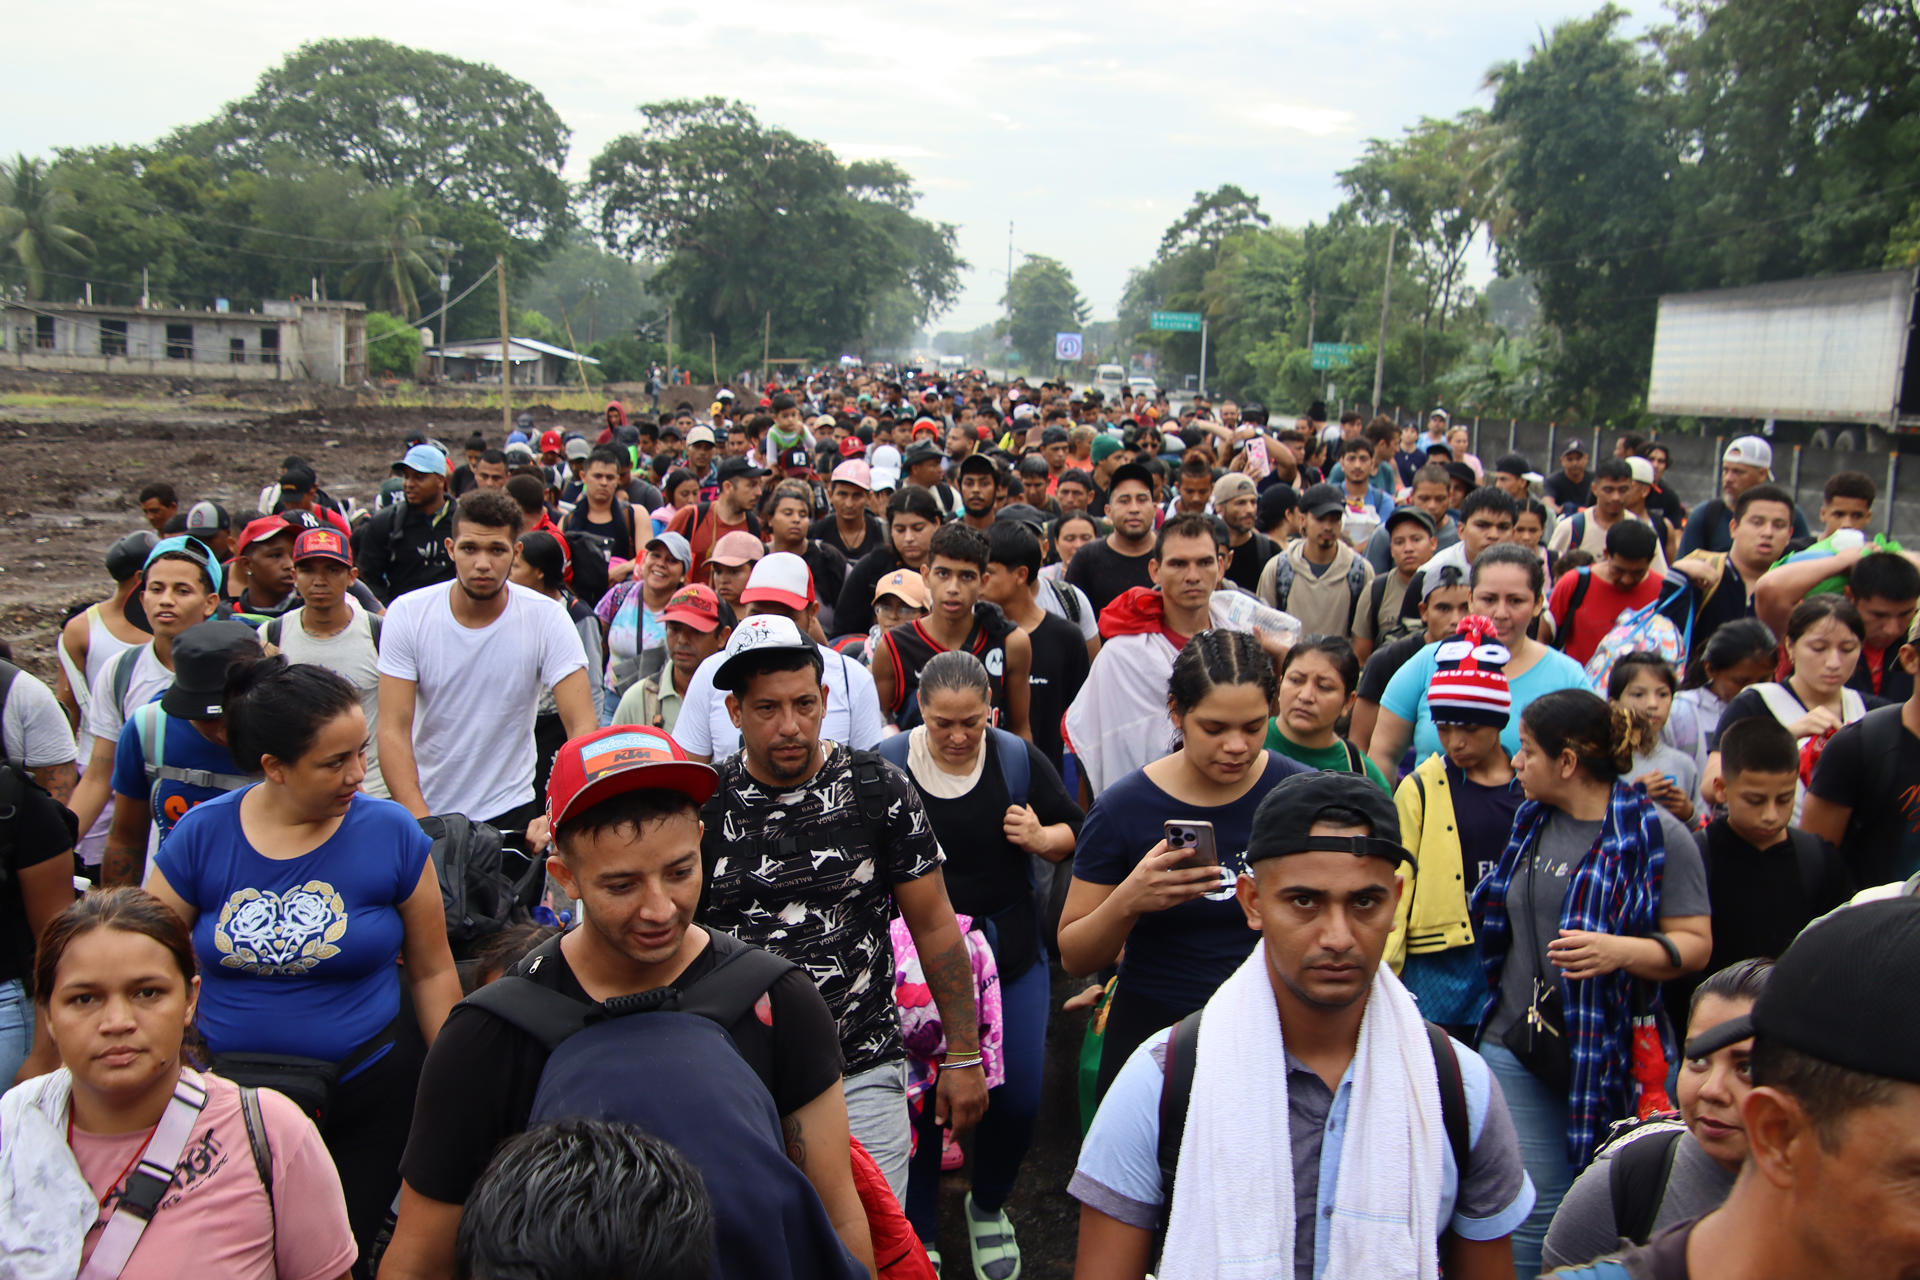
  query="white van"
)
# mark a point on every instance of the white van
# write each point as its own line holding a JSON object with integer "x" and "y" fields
{"x": 1110, "y": 380}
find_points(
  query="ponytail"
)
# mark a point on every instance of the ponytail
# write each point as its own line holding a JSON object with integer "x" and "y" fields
{"x": 277, "y": 708}
{"x": 1599, "y": 734}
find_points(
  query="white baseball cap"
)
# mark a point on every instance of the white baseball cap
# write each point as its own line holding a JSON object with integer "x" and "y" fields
{"x": 1642, "y": 470}
{"x": 781, "y": 577}
{"x": 763, "y": 633}
{"x": 1749, "y": 451}
{"x": 700, "y": 435}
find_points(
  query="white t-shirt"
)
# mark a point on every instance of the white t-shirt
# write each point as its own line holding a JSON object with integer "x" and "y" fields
{"x": 105, "y": 716}
{"x": 478, "y": 692}
{"x": 853, "y": 709}
{"x": 351, "y": 655}
{"x": 33, "y": 728}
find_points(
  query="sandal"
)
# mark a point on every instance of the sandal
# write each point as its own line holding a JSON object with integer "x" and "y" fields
{"x": 933, "y": 1256}
{"x": 996, "y": 1255}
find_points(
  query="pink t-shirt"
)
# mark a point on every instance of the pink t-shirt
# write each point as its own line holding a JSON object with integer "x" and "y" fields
{"x": 214, "y": 1220}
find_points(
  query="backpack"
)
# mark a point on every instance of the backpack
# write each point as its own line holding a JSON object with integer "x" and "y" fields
{"x": 1176, "y": 1090}
{"x": 591, "y": 576}
{"x": 8, "y": 674}
{"x": 1356, "y": 582}
{"x": 276, "y": 628}
{"x": 151, "y": 723}
{"x": 480, "y": 894}
{"x": 1016, "y": 770}
{"x": 700, "y": 510}
{"x": 766, "y": 1212}
{"x": 1646, "y": 629}
{"x": 1068, "y": 598}
{"x": 122, "y": 678}
{"x": 1637, "y": 1174}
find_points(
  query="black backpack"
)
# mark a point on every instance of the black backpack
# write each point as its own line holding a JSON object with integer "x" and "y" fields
{"x": 591, "y": 572}
{"x": 1638, "y": 1170}
{"x": 480, "y": 890}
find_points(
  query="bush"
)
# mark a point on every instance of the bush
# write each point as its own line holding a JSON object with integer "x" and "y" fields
{"x": 393, "y": 346}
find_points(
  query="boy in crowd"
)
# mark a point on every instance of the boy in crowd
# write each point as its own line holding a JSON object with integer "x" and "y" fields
{"x": 1486, "y": 517}
{"x": 1367, "y": 506}
{"x": 1865, "y": 793}
{"x": 158, "y": 504}
{"x": 697, "y": 626}
{"x": 1584, "y": 605}
{"x": 1724, "y": 582}
{"x": 1747, "y": 464}
{"x": 1432, "y": 493}
{"x": 1884, "y": 585}
{"x": 1059, "y": 652}
{"x": 1441, "y": 604}
{"x": 1767, "y": 880}
{"x": 1410, "y": 539}
{"x": 1319, "y": 579}
{"x": 956, "y": 619}
{"x": 1588, "y": 527}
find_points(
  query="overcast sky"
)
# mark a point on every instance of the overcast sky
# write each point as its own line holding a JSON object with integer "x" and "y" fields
{"x": 1089, "y": 126}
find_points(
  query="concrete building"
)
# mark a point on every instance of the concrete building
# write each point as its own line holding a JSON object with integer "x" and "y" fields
{"x": 535, "y": 363}
{"x": 285, "y": 341}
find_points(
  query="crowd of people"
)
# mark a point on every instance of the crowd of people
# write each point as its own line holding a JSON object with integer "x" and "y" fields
{"x": 650, "y": 850}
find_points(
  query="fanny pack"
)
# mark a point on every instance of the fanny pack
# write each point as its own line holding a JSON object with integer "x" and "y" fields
{"x": 308, "y": 1082}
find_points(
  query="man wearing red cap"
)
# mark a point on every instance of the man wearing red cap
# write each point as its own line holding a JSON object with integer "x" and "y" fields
{"x": 695, "y": 632}
{"x": 624, "y": 807}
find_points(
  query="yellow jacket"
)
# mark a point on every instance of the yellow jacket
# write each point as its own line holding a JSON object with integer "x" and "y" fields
{"x": 1432, "y": 915}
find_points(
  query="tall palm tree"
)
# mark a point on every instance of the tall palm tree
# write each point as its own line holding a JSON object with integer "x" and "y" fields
{"x": 34, "y": 234}
{"x": 387, "y": 283}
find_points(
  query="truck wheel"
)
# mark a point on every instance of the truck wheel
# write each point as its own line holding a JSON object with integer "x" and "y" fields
{"x": 1844, "y": 441}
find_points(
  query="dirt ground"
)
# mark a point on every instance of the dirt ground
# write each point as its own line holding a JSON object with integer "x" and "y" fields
{"x": 69, "y": 484}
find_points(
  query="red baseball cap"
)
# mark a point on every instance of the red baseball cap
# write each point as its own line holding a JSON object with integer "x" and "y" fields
{"x": 851, "y": 447}
{"x": 262, "y": 529}
{"x": 696, "y": 606}
{"x": 321, "y": 544}
{"x": 627, "y": 757}
{"x": 550, "y": 442}
{"x": 781, "y": 577}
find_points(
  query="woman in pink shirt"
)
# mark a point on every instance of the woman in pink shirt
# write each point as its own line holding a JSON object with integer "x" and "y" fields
{"x": 252, "y": 1193}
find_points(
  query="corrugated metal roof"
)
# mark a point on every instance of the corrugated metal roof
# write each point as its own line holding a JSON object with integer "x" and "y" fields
{"x": 489, "y": 349}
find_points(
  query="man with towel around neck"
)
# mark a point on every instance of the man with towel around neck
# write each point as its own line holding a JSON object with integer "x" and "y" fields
{"x": 1315, "y": 1139}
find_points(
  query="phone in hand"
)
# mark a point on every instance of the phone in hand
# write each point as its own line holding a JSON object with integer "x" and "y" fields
{"x": 1196, "y": 836}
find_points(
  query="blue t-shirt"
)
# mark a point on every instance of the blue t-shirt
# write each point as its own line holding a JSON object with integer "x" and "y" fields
{"x": 183, "y": 746}
{"x": 297, "y": 955}
{"x": 1180, "y": 955}
{"x": 1406, "y": 694}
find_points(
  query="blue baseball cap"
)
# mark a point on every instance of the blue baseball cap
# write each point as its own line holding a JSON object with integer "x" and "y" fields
{"x": 193, "y": 547}
{"x": 425, "y": 459}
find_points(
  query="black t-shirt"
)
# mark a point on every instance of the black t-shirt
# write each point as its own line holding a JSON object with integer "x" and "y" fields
{"x": 1728, "y": 603}
{"x": 463, "y": 481}
{"x": 1104, "y": 574}
{"x": 615, "y": 535}
{"x": 1882, "y": 843}
{"x": 1667, "y": 503}
{"x": 1385, "y": 662}
{"x": 1760, "y": 897}
{"x": 1565, "y": 492}
{"x": 37, "y": 833}
{"x": 988, "y": 875}
{"x": 481, "y": 1076}
{"x": 829, "y": 569}
{"x": 1249, "y": 558}
{"x": 827, "y": 529}
{"x": 1895, "y": 684}
{"x": 1484, "y": 816}
{"x": 1059, "y": 668}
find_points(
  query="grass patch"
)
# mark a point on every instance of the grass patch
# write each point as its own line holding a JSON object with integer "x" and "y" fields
{"x": 40, "y": 400}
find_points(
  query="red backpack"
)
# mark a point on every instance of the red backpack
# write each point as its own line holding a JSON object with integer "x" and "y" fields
{"x": 897, "y": 1251}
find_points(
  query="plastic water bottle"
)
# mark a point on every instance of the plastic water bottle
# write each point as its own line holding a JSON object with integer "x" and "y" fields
{"x": 1243, "y": 611}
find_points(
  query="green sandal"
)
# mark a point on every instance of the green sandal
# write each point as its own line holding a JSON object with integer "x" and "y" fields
{"x": 996, "y": 1255}
{"x": 933, "y": 1256}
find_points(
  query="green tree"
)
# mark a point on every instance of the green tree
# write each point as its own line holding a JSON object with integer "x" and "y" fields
{"x": 34, "y": 224}
{"x": 406, "y": 258}
{"x": 596, "y": 292}
{"x": 393, "y": 346}
{"x": 749, "y": 222}
{"x": 1042, "y": 301}
{"x": 447, "y": 129}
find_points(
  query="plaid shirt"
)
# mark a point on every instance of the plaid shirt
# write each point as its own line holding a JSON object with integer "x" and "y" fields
{"x": 1615, "y": 889}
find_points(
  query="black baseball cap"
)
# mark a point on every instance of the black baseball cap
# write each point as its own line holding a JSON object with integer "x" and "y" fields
{"x": 923, "y": 451}
{"x": 201, "y": 655}
{"x": 1131, "y": 471}
{"x": 298, "y": 478}
{"x": 978, "y": 464}
{"x": 736, "y": 469}
{"x": 1512, "y": 464}
{"x": 1053, "y": 435}
{"x": 1323, "y": 500}
{"x": 127, "y": 557}
{"x": 1402, "y": 514}
{"x": 1282, "y": 822}
{"x": 1023, "y": 513}
{"x": 1275, "y": 501}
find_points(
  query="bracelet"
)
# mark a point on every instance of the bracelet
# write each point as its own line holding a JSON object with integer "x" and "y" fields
{"x": 1667, "y": 945}
{"x": 963, "y": 1064}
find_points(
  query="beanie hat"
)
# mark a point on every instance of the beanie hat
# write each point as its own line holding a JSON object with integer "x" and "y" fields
{"x": 1470, "y": 678}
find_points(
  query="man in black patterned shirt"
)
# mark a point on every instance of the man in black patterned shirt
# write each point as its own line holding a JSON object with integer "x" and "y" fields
{"x": 808, "y": 848}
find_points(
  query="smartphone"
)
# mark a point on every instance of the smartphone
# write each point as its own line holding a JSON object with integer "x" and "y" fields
{"x": 1194, "y": 835}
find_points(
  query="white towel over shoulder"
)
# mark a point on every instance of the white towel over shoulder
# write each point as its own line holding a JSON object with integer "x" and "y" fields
{"x": 49, "y": 1206}
{"x": 1232, "y": 1213}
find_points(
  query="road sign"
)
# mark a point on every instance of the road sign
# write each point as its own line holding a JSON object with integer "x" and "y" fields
{"x": 1066, "y": 347}
{"x": 1175, "y": 321}
{"x": 1333, "y": 355}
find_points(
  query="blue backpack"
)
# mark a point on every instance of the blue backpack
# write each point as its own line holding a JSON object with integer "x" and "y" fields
{"x": 661, "y": 1061}
{"x": 1016, "y": 771}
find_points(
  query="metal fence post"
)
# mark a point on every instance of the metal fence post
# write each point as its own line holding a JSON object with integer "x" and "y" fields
{"x": 1893, "y": 474}
{"x": 1510, "y": 436}
{"x": 1793, "y": 482}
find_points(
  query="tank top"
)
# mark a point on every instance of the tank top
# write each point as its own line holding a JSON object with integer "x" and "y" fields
{"x": 909, "y": 648}
{"x": 102, "y": 648}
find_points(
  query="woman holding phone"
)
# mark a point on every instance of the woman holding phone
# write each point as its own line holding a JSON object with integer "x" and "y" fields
{"x": 1132, "y": 889}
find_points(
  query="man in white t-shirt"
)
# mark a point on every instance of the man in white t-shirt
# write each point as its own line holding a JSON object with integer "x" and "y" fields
{"x": 329, "y": 631}
{"x": 461, "y": 667}
{"x": 180, "y": 586}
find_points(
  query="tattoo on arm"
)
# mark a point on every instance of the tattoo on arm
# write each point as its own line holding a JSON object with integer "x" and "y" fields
{"x": 122, "y": 867}
{"x": 796, "y": 1140}
{"x": 59, "y": 780}
{"x": 950, "y": 977}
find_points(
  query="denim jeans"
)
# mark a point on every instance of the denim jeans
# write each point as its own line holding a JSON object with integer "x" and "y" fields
{"x": 16, "y": 1030}
{"x": 1540, "y": 1119}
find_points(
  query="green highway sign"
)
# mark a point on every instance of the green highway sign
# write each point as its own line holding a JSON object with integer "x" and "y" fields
{"x": 1333, "y": 355}
{"x": 1177, "y": 321}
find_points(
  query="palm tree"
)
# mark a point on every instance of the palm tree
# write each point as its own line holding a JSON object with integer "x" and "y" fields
{"x": 33, "y": 230}
{"x": 386, "y": 283}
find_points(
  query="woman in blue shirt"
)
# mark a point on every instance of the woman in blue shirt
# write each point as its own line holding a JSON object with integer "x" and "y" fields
{"x": 1508, "y": 586}
{"x": 1129, "y": 889}
{"x": 303, "y": 894}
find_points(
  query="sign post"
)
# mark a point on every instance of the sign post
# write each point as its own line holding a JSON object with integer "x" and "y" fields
{"x": 1066, "y": 348}
{"x": 1332, "y": 355}
{"x": 1184, "y": 322}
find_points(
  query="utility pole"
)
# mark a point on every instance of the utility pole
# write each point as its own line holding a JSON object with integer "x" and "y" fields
{"x": 1007, "y": 346}
{"x": 669, "y": 344}
{"x": 506, "y": 365}
{"x": 713, "y": 354}
{"x": 1202, "y": 387}
{"x": 1386, "y": 293}
{"x": 1313, "y": 309}
{"x": 766, "y": 348}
